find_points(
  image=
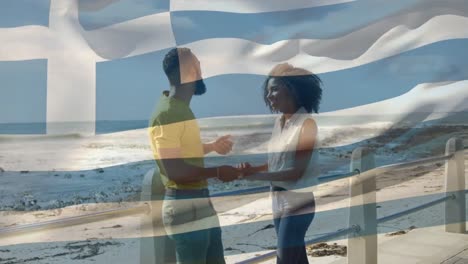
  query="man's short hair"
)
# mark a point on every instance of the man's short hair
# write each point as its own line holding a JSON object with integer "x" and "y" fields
{"x": 172, "y": 63}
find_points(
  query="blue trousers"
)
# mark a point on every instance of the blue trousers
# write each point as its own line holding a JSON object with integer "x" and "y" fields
{"x": 192, "y": 223}
{"x": 291, "y": 224}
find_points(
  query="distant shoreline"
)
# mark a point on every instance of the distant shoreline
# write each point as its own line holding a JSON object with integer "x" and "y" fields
{"x": 220, "y": 122}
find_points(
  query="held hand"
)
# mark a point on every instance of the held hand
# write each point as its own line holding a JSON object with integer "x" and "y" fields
{"x": 223, "y": 145}
{"x": 228, "y": 173}
{"x": 246, "y": 169}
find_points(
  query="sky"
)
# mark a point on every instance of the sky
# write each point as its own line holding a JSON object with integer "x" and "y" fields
{"x": 24, "y": 12}
{"x": 128, "y": 88}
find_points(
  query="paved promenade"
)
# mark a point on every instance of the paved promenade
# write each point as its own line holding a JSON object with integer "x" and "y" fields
{"x": 423, "y": 246}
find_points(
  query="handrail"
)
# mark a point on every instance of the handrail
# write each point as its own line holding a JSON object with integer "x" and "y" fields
{"x": 346, "y": 231}
{"x": 267, "y": 187}
{"x": 365, "y": 174}
{"x": 339, "y": 176}
{"x": 418, "y": 208}
{"x": 244, "y": 191}
{"x": 138, "y": 209}
{"x": 415, "y": 208}
{"x": 402, "y": 165}
{"x": 75, "y": 220}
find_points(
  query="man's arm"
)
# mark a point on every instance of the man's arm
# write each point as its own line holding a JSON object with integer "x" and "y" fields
{"x": 181, "y": 172}
{"x": 207, "y": 148}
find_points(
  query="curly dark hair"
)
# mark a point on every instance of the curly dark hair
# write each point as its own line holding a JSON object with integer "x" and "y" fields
{"x": 171, "y": 64}
{"x": 304, "y": 86}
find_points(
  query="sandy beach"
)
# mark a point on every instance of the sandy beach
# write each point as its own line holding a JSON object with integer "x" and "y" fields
{"x": 48, "y": 178}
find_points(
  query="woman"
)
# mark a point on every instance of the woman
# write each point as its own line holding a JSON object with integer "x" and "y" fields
{"x": 292, "y": 157}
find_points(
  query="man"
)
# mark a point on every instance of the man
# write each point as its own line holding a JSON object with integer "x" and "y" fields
{"x": 188, "y": 214}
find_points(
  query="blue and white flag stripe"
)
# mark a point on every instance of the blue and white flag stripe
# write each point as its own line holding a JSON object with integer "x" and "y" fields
{"x": 96, "y": 63}
{"x": 247, "y": 6}
{"x": 230, "y": 38}
{"x": 101, "y": 13}
{"x": 125, "y": 82}
{"x": 325, "y": 22}
{"x": 135, "y": 37}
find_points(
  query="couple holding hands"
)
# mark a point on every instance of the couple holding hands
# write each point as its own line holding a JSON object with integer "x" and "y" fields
{"x": 188, "y": 214}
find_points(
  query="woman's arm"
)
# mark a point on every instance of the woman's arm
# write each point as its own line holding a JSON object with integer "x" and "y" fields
{"x": 304, "y": 149}
{"x": 222, "y": 145}
{"x": 258, "y": 169}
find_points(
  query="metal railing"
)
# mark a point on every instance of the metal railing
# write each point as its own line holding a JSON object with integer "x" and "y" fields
{"x": 362, "y": 175}
{"x": 363, "y": 219}
{"x": 122, "y": 212}
{"x": 75, "y": 220}
{"x": 353, "y": 229}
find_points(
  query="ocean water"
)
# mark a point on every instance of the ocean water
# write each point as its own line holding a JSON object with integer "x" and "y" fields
{"x": 260, "y": 123}
{"x": 23, "y": 128}
{"x": 121, "y": 142}
{"x": 101, "y": 127}
{"x": 64, "y": 168}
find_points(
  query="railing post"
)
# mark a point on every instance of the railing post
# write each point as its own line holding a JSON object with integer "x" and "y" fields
{"x": 362, "y": 245}
{"x": 455, "y": 210}
{"x": 155, "y": 247}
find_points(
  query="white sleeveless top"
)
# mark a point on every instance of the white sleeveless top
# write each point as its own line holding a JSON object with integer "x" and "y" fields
{"x": 282, "y": 150}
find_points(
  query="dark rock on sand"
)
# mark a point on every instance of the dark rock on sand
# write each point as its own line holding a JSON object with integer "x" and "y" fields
{"x": 324, "y": 249}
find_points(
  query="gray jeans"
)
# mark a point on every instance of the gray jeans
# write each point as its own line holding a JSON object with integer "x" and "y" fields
{"x": 191, "y": 221}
